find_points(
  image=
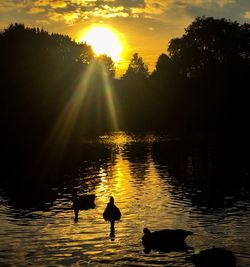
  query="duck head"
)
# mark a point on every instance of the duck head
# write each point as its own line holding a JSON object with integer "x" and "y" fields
{"x": 111, "y": 200}
{"x": 146, "y": 231}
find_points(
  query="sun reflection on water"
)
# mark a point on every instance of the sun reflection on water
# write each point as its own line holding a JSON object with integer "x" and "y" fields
{"x": 120, "y": 181}
{"x": 146, "y": 196}
{"x": 118, "y": 139}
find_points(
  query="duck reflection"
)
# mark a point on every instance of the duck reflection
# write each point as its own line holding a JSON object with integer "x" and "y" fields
{"x": 167, "y": 240}
{"x": 112, "y": 214}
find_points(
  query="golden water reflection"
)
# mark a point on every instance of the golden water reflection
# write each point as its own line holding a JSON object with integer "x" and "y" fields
{"x": 148, "y": 195}
{"x": 121, "y": 181}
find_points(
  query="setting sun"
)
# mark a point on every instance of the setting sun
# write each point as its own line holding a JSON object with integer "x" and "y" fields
{"x": 103, "y": 41}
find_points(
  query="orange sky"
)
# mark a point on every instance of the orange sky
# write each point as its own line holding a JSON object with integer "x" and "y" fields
{"x": 146, "y": 25}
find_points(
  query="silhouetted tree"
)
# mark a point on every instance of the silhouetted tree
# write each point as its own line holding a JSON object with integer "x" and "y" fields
{"x": 210, "y": 42}
{"x": 137, "y": 69}
{"x": 132, "y": 88}
{"x": 87, "y": 54}
{"x": 165, "y": 70}
{"x": 213, "y": 57}
{"x": 108, "y": 63}
{"x": 163, "y": 63}
{"x": 164, "y": 81}
{"x": 39, "y": 73}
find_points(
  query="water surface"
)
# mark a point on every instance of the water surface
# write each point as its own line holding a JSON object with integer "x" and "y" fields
{"x": 157, "y": 182}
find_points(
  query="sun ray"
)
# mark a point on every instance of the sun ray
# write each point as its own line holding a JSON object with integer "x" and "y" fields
{"x": 59, "y": 137}
{"x": 61, "y": 134}
{"x": 110, "y": 98}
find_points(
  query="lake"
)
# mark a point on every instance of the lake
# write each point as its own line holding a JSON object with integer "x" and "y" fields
{"x": 157, "y": 182}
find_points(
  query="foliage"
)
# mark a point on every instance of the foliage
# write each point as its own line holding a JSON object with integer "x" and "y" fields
{"x": 164, "y": 69}
{"x": 210, "y": 42}
{"x": 136, "y": 69}
{"x": 108, "y": 63}
{"x": 87, "y": 54}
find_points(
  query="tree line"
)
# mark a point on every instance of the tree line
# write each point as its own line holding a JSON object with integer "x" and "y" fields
{"x": 200, "y": 85}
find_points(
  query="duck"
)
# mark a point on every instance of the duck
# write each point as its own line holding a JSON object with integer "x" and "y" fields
{"x": 215, "y": 257}
{"x": 166, "y": 240}
{"x": 112, "y": 213}
{"x": 83, "y": 202}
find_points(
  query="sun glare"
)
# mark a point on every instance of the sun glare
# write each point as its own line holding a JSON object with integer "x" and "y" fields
{"x": 103, "y": 41}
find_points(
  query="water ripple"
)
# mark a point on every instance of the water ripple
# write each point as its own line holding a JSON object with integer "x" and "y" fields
{"x": 148, "y": 194}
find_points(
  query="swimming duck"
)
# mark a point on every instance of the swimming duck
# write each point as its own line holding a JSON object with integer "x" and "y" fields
{"x": 215, "y": 257}
{"x": 166, "y": 240}
{"x": 112, "y": 214}
{"x": 83, "y": 202}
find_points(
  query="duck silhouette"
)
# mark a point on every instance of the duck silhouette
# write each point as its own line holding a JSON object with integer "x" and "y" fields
{"x": 83, "y": 202}
{"x": 166, "y": 240}
{"x": 112, "y": 213}
{"x": 214, "y": 257}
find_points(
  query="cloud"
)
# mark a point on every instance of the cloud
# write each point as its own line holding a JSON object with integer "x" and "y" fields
{"x": 58, "y": 4}
{"x": 41, "y": 3}
{"x": 71, "y": 17}
{"x": 74, "y": 10}
{"x": 113, "y": 12}
{"x": 246, "y": 15}
{"x": 172, "y": 12}
{"x": 130, "y": 3}
{"x": 156, "y": 7}
{"x": 9, "y": 5}
{"x": 183, "y": 12}
{"x": 54, "y": 16}
{"x": 233, "y": 10}
{"x": 42, "y": 22}
{"x": 35, "y": 10}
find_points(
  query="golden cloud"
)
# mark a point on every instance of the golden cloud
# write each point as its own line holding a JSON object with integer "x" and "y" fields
{"x": 9, "y": 5}
{"x": 58, "y": 4}
{"x": 55, "y": 16}
{"x": 71, "y": 17}
{"x": 83, "y": 2}
{"x": 118, "y": 14}
{"x": 42, "y": 3}
{"x": 158, "y": 6}
{"x": 247, "y": 15}
{"x": 42, "y": 22}
{"x": 223, "y": 3}
{"x": 35, "y": 10}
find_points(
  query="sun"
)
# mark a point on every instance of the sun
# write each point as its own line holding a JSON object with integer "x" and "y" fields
{"x": 103, "y": 41}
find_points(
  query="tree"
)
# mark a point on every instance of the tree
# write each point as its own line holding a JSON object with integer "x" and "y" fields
{"x": 38, "y": 71}
{"x": 87, "y": 53}
{"x": 137, "y": 69}
{"x": 213, "y": 60}
{"x": 164, "y": 69}
{"x": 163, "y": 63}
{"x": 210, "y": 42}
{"x": 108, "y": 63}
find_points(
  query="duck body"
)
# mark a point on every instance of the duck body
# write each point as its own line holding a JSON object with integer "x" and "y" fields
{"x": 111, "y": 212}
{"x": 214, "y": 257}
{"x": 84, "y": 202}
{"x": 166, "y": 235}
{"x": 166, "y": 240}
